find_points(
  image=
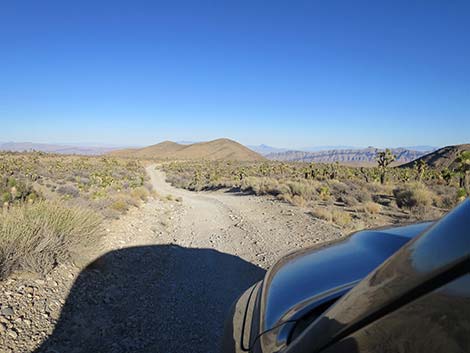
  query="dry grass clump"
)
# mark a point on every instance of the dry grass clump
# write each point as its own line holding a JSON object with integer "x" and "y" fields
{"x": 140, "y": 193}
{"x": 322, "y": 213}
{"x": 120, "y": 205}
{"x": 413, "y": 195}
{"x": 261, "y": 186}
{"x": 298, "y": 201}
{"x": 36, "y": 237}
{"x": 337, "y": 216}
{"x": 371, "y": 207}
{"x": 341, "y": 218}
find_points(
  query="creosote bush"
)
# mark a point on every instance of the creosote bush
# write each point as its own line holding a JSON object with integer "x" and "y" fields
{"x": 36, "y": 237}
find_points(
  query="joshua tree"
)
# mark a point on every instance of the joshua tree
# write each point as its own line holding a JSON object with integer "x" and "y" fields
{"x": 306, "y": 172}
{"x": 313, "y": 172}
{"x": 384, "y": 159}
{"x": 463, "y": 169}
{"x": 334, "y": 167}
{"x": 241, "y": 173}
{"x": 365, "y": 174}
{"x": 447, "y": 175}
{"x": 421, "y": 168}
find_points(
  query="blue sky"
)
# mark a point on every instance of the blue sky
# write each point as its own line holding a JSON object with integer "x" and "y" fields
{"x": 284, "y": 73}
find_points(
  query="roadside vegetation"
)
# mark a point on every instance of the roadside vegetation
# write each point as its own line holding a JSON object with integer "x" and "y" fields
{"x": 54, "y": 205}
{"x": 350, "y": 197}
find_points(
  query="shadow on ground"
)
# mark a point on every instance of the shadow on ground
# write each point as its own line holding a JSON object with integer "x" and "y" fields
{"x": 151, "y": 299}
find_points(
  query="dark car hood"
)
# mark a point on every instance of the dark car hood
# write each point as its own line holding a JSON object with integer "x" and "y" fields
{"x": 303, "y": 280}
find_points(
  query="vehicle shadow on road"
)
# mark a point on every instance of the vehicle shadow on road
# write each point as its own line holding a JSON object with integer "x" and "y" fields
{"x": 151, "y": 299}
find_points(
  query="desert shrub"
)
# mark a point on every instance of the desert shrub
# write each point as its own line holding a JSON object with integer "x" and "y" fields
{"x": 298, "y": 201}
{"x": 286, "y": 197}
{"x": 258, "y": 186}
{"x": 413, "y": 195}
{"x": 341, "y": 218}
{"x": 268, "y": 186}
{"x": 372, "y": 207}
{"x": 17, "y": 191}
{"x": 381, "y": 199}
{"x": 348, "y": 200}
{"x": 38, "y": 236}
{"x": 362, "y": 195}
{"x": 140, "y": 193}
{"x": 338, "y": 188}
{"x": 302, "y": 189}
{"x": 68, "y": 190}
{"x": 447, "y": 201}
{"x": 324, "y": 192}
{"x": 120, "y": 205}
{"x": 346, "y": 192}
{"x": 322, "y": 213}
{"x": 461, "y": 194}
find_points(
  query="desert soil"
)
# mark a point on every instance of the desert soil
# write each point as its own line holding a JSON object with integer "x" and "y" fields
{"x": 162, "y": 279}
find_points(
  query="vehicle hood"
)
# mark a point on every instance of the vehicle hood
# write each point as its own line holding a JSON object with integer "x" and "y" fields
{"x": 304, "y": 280}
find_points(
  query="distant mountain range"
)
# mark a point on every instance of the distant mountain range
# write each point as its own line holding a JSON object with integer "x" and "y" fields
{"x": 422, "y": 148}
{"x": 350, "y": 156}
{"x": 221, "y": 149}
{"x": 53, "y": 148}
{"x": 266, "y": 150}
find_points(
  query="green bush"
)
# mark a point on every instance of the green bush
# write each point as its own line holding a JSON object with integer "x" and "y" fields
{"x": 38, "y": 236}
{"x": 461, "y": 194}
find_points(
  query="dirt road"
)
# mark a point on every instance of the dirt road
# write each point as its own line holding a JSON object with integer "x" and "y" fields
{"x": 166, "y": 274}
{"x": 258, "y": 230}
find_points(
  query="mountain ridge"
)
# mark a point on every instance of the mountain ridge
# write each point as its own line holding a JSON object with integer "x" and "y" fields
{"x": 442, "y": 158}
{"x": 219, "y": 149}
{"x": 364, "y": 155}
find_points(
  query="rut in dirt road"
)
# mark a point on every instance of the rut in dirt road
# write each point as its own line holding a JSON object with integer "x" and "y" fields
{"x": 172, "y": 293}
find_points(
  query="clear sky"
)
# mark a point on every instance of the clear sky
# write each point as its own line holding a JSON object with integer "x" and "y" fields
{"x": 284, "y": 73}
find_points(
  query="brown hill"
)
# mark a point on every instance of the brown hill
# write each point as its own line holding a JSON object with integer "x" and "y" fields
{"x": 442, "y": 158}
{"x": 161, "y": 150}
{"x": 221, "y": 149}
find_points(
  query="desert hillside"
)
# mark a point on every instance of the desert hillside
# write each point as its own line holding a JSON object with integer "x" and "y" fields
{"x": 442, "y": 158}
{"x": 220, "y": 149}
{"x": 365, "y": 155}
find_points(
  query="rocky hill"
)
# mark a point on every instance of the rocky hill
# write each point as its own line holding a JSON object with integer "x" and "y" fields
{"x": 221, "y": 149}
{"x": 442, "y": 158}
{"x": 365, "y": 155}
